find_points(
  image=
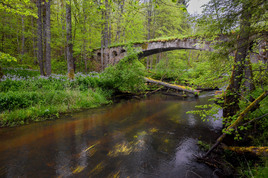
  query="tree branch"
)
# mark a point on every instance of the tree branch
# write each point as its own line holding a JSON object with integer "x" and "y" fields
{"x": 238, "y": 120}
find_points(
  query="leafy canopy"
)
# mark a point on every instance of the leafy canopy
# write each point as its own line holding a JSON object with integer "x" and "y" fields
{"x": 20, "y": 7}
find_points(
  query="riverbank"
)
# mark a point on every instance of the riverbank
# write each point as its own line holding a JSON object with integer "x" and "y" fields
{"x": 27, "y": 97}
{"x": 237, "y": 162}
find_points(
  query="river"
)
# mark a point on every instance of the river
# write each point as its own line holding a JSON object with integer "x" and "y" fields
{"x": 151, "y": 137}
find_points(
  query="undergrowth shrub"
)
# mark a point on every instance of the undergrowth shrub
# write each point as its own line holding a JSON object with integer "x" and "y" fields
{"x": 14, "y": 100}
{"x": 126, "y": 76}
{"x": 41, "y": 83}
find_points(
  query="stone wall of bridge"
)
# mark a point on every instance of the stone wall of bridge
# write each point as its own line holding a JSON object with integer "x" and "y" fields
{"x": 112, "y": 55}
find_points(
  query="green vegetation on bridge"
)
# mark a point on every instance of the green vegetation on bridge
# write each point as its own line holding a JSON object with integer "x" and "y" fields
{"x": 201, "y": 36}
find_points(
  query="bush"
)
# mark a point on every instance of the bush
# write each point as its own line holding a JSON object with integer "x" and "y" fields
{"x": 126, "y": 76}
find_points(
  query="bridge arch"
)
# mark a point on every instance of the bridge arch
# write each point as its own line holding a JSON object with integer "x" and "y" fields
{"x": 112, "y": 55}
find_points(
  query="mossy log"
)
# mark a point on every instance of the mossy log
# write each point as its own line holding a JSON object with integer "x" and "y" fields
{"x": 251, "y": 149}
{"x": 238, "y": 120}
{"x": 173, "y": 86}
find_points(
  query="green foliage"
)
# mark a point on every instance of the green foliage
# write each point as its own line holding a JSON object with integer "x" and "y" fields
{"x": 200, "y": 69}
{"x": 12, "y": 100}
{"x": 222, "y": 16}
{"x": 206, "y": 111}
{"x": 260, "y": 76}
{"x": 210, "y": 70}
{"x": 171, "y": 20}
{"x": 127, "y": 21}
{"x": 261, "y": 171}
{"x": 17, "y": 7}
{"x": 21, "y": 73}
{"x": 173, "y": 68}
{"x": 203, "y": 146}
{"x": 57, "y": 83}
{"x": 252, "y": 168}
{"x": 126, "y": 76}
{"x": 6, "y": 58}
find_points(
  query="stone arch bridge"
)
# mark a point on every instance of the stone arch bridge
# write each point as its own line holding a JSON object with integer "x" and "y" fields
{"x": 112, "y": 55}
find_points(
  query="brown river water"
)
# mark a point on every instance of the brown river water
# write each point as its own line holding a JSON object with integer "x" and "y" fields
{"x": 151, "y": 137}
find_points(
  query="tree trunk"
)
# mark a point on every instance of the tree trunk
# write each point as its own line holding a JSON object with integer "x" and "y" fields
{"x": 102, "y": 55}
{"x": 173, "y": 86}
{"x": 149, "y": 20}
{"x": 120, "y": 11}
{"x": 102, "y": 39}
{"x": 106, "y": 32}
{"x": 233, "y": 91}
{"x": 63, "y": 25}
{"x": 105, "y": 35}
{"x": 84, "y": 40}
{"x": 249, "y": 85}
{"x": 18, "y": 42}
{"x": 22, "y": 36}
{"x": 48, "y": 39}
{"x": 34, "y": 40}
{"x": 110, "y": 26}
{"x": 70, "y": 61}
{"x": 44, "y": 36}
{"x": 39, "y": 38}
{"x": 1, "y": 73}
{"x": 102, "y": 42}
{"x": 3, "y": 39}
{"x": 251, "y": 149}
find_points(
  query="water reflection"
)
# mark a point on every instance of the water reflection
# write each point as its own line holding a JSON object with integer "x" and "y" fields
{"x": 148, "y": 138}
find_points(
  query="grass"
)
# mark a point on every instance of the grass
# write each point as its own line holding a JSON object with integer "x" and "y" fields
{"x": 26, "y": 97}
{"x": 51, "y": 105}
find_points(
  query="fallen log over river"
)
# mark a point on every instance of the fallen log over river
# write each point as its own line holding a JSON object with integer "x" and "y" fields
{"x": 251, "y": 149}
{"x": 173, "y": 86}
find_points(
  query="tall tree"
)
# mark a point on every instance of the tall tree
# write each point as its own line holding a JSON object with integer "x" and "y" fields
{"x": 48, "y": 39}
{"x": 70, "y": 61}
{"x": 149, "y": 22}
{"x": 39, "y": 38}
{"x": 233, "y": 91}
{"x": 247, "y": 15}
{"x": 22, "y": 36}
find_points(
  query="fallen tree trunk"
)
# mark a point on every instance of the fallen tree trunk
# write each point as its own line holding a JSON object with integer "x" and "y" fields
{"x": 173, "y": 86}
{"x": 251, "y": 149}
{"x": 238, "y": 120}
